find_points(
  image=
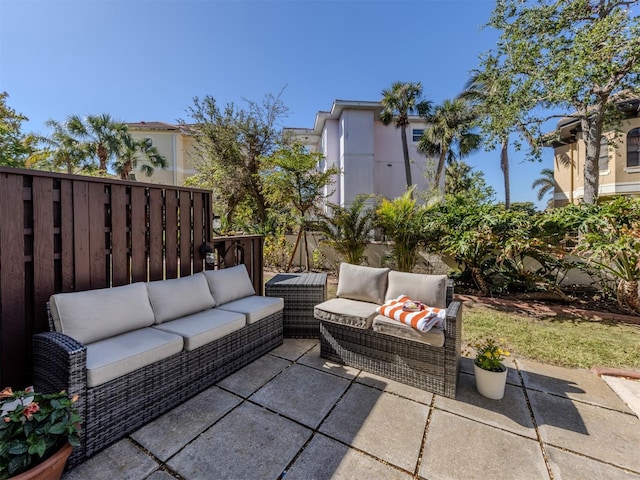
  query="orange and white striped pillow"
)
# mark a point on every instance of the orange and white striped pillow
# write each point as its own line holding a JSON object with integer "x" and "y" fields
{"x": 422, "y": 320}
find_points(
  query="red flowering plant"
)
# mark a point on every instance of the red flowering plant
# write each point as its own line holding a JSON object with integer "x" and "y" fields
{"x": 33, "y": 426}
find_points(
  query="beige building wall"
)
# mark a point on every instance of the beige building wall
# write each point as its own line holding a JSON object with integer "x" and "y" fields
{"x": 615, "y": 177}
{"x": 176, "y": 146}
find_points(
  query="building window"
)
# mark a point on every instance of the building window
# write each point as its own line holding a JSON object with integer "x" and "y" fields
{"x": 633, "y": 148}
{"x": 603, "y": 160}
{"x": 416, "y": 134}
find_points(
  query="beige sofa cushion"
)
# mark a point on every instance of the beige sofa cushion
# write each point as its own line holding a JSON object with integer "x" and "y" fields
{"x": 255, "y": 308}
{"x": 429, "y": 289}
{"x": 382, "y": 324}
{"x": 179, "y": 297}
{"x": 346, "y": 311}
{"x": 204, "y": 327}
{"x": 229, "y": 284}
{"x": 116, "y": 356}
{"x": 367, "y": 284}
{"x": 98, "y": 314}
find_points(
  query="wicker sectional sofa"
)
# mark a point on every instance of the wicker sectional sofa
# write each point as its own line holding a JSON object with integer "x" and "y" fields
{"x": 352, "y": 333}
{"x": 133, "y": 352}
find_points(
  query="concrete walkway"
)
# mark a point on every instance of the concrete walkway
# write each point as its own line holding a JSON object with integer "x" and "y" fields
{"x": 292, "y": 415}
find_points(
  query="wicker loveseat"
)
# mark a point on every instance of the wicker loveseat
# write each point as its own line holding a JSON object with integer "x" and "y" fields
{"x": 353, "y": 333}
{"x": 133, "y": 352}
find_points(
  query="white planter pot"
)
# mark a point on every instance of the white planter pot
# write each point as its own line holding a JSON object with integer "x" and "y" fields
{"x": 490, "y": 384}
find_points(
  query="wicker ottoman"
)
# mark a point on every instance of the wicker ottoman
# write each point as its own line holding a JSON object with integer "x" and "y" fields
{"x": 301, "y": 292}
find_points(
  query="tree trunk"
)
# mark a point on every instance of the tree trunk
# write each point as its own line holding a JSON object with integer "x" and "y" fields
{"x": 441, "y": 160}
{"x": 295, "y": 248}
{"x": 504, "y": 166}
{"x": 476, "y": 274}
{"x": 627, "y": 295}
{"x": 592, "y": 131}
{"x": 405, "y": 154}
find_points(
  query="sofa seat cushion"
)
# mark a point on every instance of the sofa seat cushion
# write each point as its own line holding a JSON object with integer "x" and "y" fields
{"x": 204, "y": 327}
{"x": 346, "y": 311}
{"x": 382, "y": 324}
{"x": 95, "y": 315}
{"x": 255, "y": 308}
{"x": 366, "y": 284}
{"x": 179, "y": 297}
{"x": 116, "y": 356}
{"x": 229, "y": 284}
{"x": 428, "y": 289}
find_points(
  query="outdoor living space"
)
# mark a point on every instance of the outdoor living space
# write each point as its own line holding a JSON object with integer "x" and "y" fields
{"x": 291, "y": 414}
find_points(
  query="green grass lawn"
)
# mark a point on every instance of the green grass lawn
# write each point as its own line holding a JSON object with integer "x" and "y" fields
{"x": 562, "y": 341}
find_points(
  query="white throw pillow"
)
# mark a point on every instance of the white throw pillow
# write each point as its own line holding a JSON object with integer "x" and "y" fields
{"x": 229, "y": 284}
{"x": 428, "y": 289}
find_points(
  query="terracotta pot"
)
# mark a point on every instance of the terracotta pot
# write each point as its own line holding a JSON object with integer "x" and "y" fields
{"x": 490, "y": 384}
{"x": 50, "y": 469}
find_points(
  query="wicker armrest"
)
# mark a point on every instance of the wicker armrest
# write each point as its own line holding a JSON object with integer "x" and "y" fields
{"x": 59, "y": 363}
{"x": 453, "y": 322}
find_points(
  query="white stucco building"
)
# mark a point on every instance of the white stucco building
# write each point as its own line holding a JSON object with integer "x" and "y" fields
{"x": 369, "y": 153}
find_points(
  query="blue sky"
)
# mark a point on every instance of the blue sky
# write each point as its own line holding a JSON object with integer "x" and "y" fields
{"x": 146, "y": 59}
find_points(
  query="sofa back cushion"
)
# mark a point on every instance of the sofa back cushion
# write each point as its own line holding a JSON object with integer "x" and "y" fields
{"x": 429, "y": 289}
{"x": 229, "y": 284}
{"x": 98, "y": 314}
{"x": 179, "y": 297}
{"x": 366, "y": 284}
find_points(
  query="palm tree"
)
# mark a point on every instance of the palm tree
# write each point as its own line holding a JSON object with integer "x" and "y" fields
{"x": 398, "y": 102}
{"x": 482, "y": 91}
{"x": 137, "y": 151}
{"x": 101, "y": 134}
{"x": 347, "y": 229}
{"x": 450, "y": 134}
{"x": 546, "y": 184}
{"x": 64, "y": 150}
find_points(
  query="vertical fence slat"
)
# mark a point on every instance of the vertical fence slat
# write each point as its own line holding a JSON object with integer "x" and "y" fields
{"x": 80, "y": 249}
{"x": 97, "y": 231}
{"x": 185, "y": 234}
{"x": 156, "y": 245}
{"x": 198, "y": 232}
{"x": 138, "y": 235}
{"x": 171, "y": 234}
{"x": 119, "y": 243}
{"x": 66, "y": 235}
{"x": 43, "y": 261}
{"x": 12, "y": 273}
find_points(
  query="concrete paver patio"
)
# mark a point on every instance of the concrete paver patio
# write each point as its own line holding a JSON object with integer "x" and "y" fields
{"x": 293, "y": 415}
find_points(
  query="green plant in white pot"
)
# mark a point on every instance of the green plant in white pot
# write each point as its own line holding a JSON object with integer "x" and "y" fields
{"x": 490, "y": 372}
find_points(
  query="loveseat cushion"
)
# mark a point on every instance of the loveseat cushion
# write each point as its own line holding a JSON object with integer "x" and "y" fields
{"x": 366, "y": 284}
{"x": 229, "y": 284}
{"x": 428, "y": 289}
{"x": 204, "y": 327}
{"x": 255, "y": 308}
{"x": 386, "y": 325}
{"x": 122, "y": 354}
{"x": 179, "y": 297}
{"x": 94, "y": 315}
{"x": 346, "y": 311}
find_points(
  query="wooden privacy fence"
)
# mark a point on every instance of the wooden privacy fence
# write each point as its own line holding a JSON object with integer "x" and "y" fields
{"x": 64, "y": 233}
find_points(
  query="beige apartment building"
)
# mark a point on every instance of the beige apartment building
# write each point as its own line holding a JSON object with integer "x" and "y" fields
{"x": 174, "y": 144}
{"x": 619, "y": 163}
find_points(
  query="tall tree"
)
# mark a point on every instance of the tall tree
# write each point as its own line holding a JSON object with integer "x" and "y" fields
{"x": 101, "y": 134}
{"x": 450, "y": 134}
{"x": 398, "y": 102}
{"x": 136, "y": 152}
{"x": 496, "y": 114}
{"x": 232, "y": 144}
{"x": 13, "y": 147}
{"x": 582, "y": 55}
{"x": 294, "y": 180}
